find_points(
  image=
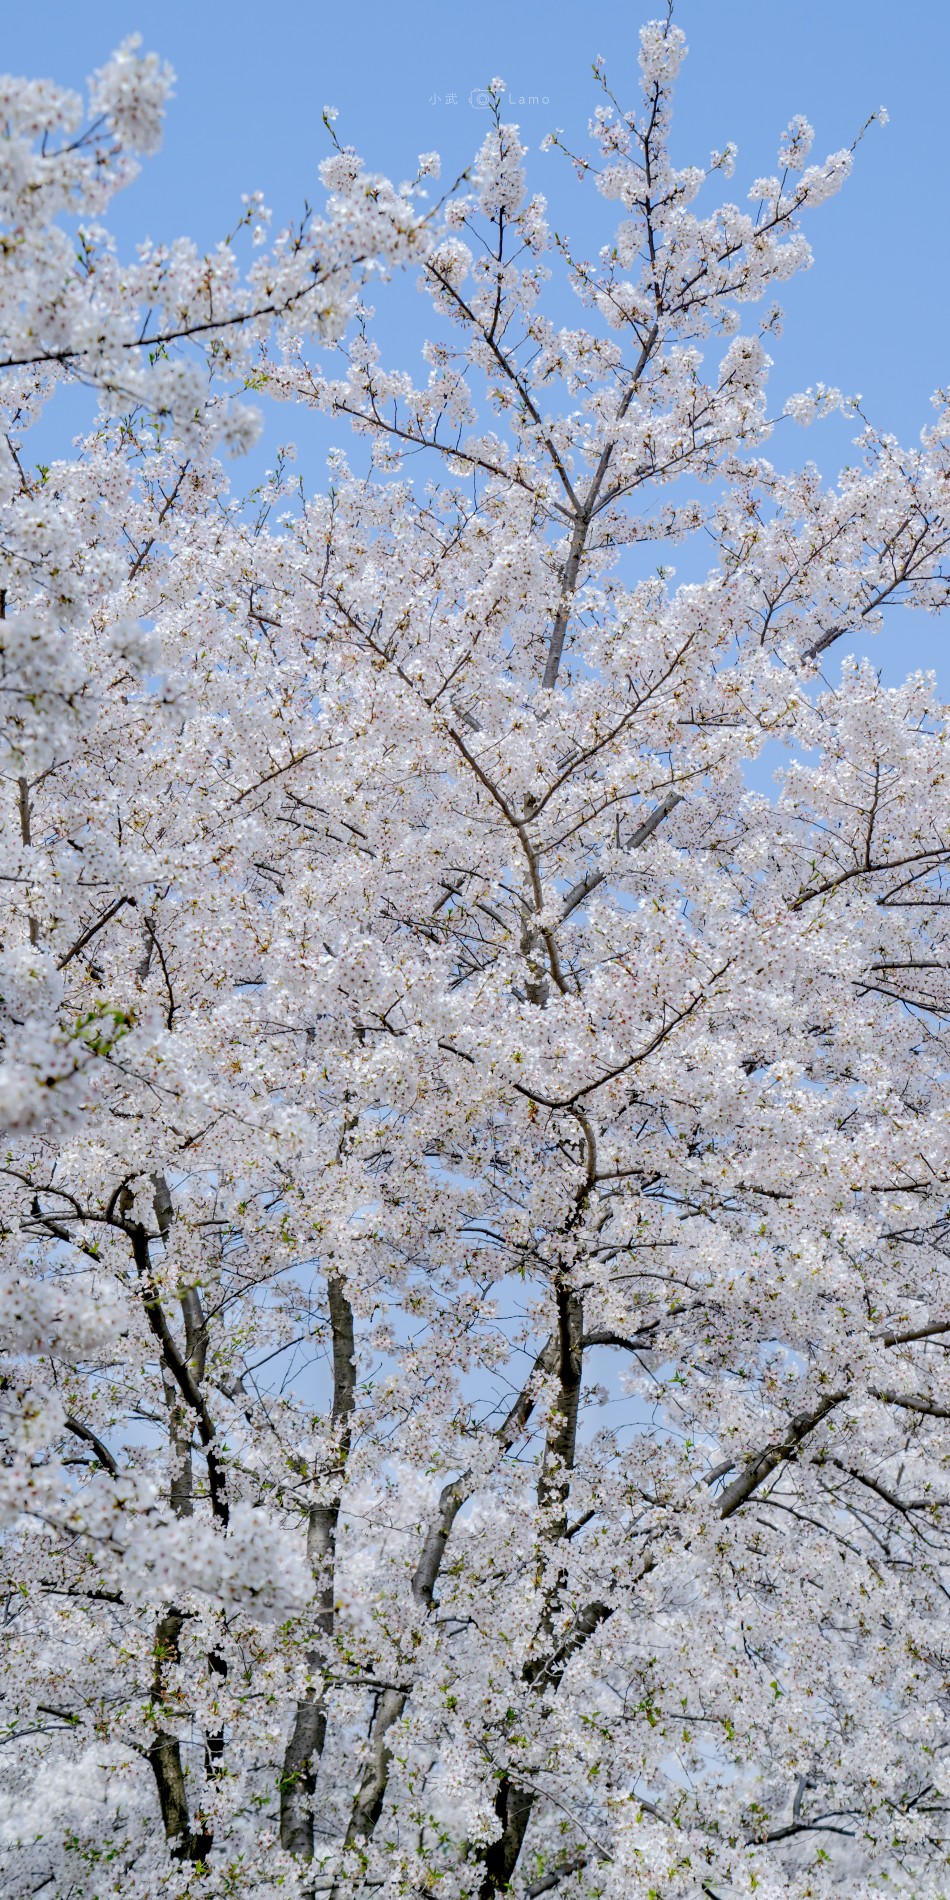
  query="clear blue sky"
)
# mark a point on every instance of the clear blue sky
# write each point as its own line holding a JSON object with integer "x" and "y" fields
{"x": 253, "y": 78}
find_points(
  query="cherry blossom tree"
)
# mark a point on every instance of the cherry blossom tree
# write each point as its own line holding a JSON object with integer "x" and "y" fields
{"x": 475, "y": 1174}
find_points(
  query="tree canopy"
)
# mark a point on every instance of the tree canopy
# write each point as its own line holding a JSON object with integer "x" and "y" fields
{"x": 474, "y": 1189}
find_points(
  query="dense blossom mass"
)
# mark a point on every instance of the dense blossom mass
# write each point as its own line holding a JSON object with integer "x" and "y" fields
{"x": 474, "y": 1191}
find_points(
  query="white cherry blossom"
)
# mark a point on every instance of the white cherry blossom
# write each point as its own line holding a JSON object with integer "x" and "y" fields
{"x": 475, "y": 1169}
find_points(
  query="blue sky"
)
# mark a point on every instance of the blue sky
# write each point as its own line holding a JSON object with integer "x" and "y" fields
{"x": 870, "y": 316}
